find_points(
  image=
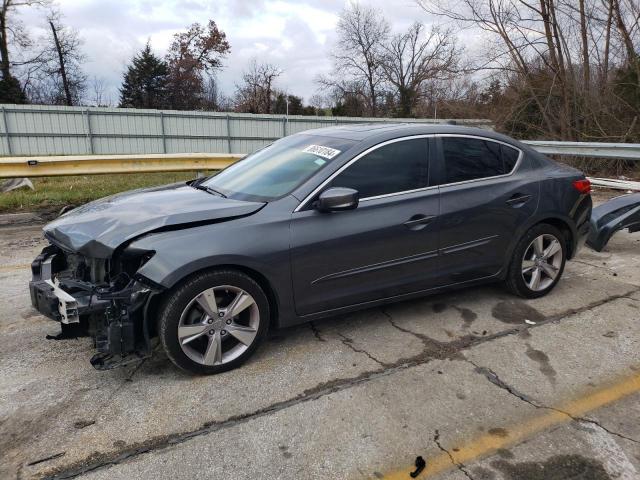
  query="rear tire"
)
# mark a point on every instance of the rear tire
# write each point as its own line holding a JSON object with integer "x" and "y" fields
{"x": 538, "y": 262}
{"x": 213, "y": 321}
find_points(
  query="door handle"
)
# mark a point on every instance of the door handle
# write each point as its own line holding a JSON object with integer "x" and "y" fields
{"x": 418, "y": 222}
{"x": 518, "y": 199}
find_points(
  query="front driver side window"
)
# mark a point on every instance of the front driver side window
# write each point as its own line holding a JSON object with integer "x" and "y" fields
{"x": 396, "y": 167}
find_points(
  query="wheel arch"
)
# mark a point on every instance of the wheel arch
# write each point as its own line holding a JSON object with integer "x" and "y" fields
{"x": 155, "y": 302}
{"x": 265, "y": 284}
{"x": 562, "y": 224}
{"x": 566, "y": 231}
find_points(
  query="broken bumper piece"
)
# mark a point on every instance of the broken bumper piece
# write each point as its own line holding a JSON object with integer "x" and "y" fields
{"x": 612, "y": 216}
{"x": 113, "y": 316}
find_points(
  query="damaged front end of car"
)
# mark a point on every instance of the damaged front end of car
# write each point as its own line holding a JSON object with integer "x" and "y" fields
{"x": 88, "y": 277}
{"x": 102, "y": 297}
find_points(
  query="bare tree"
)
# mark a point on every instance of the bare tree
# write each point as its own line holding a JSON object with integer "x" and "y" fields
{"x": 627, "y": 18}
{"x": 12, "y": 34}
{"x": 211, "y": 93}
{"x": 506, "y": 21}
{"x": 548, "y": 50}
{"x": 198, "y": 51}
{"x": 255, "y": 93}
{"x": 99, "y": 97}
{"x": 413, "y": 58}
{"x": 362, "y": 32}
{"x": 11, "y": 31}
{"x": 55, "y": 30}
{"x": 57, "y": 76}
{"x": 319, "y": 102}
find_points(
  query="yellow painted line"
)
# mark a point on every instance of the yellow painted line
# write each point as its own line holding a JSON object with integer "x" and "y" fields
{"x": 487, "y": 444}
{"x": 10, "y": 268}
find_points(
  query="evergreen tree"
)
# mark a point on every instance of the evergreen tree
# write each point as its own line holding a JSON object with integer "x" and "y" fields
{"x": 295, "y": 105}
{"x": 11, "y": 91}
{"x": 145, "y": 83}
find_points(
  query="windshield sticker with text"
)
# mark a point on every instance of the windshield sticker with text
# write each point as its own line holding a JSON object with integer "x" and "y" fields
{"x": 321, "y": 151}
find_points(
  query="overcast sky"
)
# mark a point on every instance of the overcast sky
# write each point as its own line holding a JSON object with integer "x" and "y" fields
{"x": 296, "y": 35}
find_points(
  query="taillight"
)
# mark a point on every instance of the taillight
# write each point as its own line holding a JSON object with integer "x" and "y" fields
{"x": 583, "y": 186}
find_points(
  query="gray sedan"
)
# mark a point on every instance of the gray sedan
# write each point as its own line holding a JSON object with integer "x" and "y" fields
{"x": 318, "y": 223}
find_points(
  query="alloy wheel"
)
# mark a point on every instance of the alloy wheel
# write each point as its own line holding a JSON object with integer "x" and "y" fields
{"x": 218, "y": 325}
{"x": 541, "y": 262}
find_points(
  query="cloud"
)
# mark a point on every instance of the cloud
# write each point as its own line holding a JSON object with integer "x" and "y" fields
{"x": 295, "y": 35}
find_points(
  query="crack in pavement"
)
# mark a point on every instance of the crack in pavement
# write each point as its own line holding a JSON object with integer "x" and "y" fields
{"x": 631, "y": 298}
{"x": 459, "y": 466}
{"x": 433, "y": 350}
{"x": 349, "y": 343}
{"x": 405, "y": 330}
{"x": 604, "y": 267}
{"x": 432, "y": 346}
{"x": 46, "y": 459}
{"x": 316, "y": 332}
{"x": 101, "y": 461}
{"x": 516, "y": 330}
{"x": 497, "y": 381}
{"x": 128, "y": 379}
{"x": 493, "y": 377}
{"x": 599, "y": 425}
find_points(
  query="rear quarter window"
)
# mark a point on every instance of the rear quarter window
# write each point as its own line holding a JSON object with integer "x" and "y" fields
{"x": 510, "y": 157}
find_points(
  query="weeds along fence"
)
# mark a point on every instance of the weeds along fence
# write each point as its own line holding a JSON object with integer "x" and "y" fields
{"x": 55, "y": 130}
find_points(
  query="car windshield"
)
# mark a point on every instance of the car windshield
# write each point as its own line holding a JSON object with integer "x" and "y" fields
{"x": 278, "y": 169}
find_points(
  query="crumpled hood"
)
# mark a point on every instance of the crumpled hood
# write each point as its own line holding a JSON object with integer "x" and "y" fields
{"x": 98, "y": 228}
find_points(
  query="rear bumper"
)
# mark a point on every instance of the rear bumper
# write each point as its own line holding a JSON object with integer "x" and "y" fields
{"x": 612, "y": 216}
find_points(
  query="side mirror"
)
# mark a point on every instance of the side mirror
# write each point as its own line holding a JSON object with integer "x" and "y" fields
{"x": 337, "y": 199}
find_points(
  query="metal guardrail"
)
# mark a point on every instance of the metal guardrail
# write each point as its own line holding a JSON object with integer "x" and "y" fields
{"x": 615, "y": 184}
{"x": 41, "y": 166}
{"x": 17, "y": 167}
{"x": 627, "y": 151}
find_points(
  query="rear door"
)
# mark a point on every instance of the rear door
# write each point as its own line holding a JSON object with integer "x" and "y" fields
{"x": 386, "y": 246}
{"x": 486, "y": 192}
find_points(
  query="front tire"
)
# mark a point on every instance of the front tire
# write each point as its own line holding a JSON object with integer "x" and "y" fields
{"x": 213, "y": 321}
{"x": 538, "y": 262}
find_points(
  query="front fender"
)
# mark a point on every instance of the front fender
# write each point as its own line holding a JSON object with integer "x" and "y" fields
{"x": 243, "y": 244}
{"x": 165, "y": 271}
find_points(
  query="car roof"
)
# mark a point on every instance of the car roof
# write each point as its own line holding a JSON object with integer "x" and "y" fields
{"x": 367, "y": 135}
{"x": 367, "y": 132}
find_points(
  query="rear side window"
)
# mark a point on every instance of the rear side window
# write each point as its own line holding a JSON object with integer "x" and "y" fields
{"x": 474, "y": 158}
{"x": 396, "y": 167}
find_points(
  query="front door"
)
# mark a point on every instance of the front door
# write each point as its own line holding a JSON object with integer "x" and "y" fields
{"x": 387, "y": 246}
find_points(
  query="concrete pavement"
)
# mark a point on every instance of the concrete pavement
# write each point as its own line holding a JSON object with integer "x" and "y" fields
{"x": 360, "y": 396}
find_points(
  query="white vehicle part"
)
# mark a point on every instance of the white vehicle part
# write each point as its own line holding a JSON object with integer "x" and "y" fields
{"x": 67, "y": 305}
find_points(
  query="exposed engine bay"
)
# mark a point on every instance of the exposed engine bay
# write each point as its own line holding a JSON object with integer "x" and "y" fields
{"x": 101, "y": 298}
